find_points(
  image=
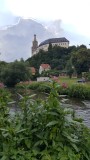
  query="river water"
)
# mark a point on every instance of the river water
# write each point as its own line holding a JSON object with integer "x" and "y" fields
{"x": 81, "y": 107}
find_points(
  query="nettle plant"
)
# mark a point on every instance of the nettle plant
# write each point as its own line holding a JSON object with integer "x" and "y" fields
{"x": 44, "y": 130}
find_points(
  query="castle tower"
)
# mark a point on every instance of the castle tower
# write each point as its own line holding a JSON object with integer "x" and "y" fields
{"x": 34, "y": 45}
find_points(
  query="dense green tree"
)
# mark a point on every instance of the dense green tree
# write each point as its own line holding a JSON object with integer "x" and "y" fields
{"x": 81, "y": 46}
{"x": 69, "y": 68}
{"x": 58, "y": 57}
{"x": 50, "y": 47}
{"x": 14, "y": 73}
{"x": 2, "y": 66}
{"x": 51, "y": 73}
{"x": 81, "y": 60}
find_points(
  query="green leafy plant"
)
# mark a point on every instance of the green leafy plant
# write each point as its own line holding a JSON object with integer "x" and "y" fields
{"x": 44, "y": 130}
{"x": 79, "y": 91}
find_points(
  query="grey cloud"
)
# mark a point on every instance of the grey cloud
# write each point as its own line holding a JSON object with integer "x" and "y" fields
{"x": 7, "y": 18}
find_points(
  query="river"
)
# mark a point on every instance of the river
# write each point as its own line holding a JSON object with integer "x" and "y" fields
{"x": 81, "y": 107}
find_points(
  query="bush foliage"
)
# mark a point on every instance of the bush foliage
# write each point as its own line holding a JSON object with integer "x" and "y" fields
{"x": 43, "y": 130}
{"x": 74, "y": 90}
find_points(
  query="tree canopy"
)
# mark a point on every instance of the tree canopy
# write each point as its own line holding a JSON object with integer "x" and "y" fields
{"x": 15, "y": 72}
{"x": 60, "y": 58}
{"x": 55, "y": 56}
{"x": 81, "y": 60}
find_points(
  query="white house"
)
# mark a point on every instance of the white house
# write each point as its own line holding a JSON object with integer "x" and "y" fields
{"x": 44, "y": 67}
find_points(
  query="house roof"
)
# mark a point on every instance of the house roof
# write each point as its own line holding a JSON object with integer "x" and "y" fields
{"x": 53, "y": 40}
{"x": 45, "y": 66}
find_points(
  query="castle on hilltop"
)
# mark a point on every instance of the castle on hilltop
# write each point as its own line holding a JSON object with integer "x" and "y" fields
{"x": 62, "y": 42}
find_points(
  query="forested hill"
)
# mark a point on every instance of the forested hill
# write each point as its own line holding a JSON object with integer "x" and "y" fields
{"x": 57, "y": 57}
{"x": 72, "y": 59}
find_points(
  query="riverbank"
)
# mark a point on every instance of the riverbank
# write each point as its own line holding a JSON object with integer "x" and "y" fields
{"x": 75, "y": 90}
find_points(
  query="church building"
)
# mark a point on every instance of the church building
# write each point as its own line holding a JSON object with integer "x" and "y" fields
{"x": 62, "y": 42}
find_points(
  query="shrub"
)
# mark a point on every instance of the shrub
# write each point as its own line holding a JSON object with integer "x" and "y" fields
{"x": 76, "y": 90}
{"x": 44, "y": 88}
{"x": 34, "y": 85}
{"x": 44, "y": 130}
{"x": 15, "y": 72}
{"x": 79, "y": 91}
{"x": 87, "y": 76}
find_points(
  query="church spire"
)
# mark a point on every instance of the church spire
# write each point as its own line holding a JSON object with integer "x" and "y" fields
{"x": 34, "y": 45}
{"x": 34, "y": 37}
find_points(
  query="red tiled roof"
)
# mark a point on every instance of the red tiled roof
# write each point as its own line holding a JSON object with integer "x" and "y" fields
{"x": 45, "y": 66}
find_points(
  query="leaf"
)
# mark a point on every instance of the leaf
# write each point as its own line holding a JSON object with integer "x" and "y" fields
{"x": 18, "y": 127}
{"x": 38, "y": 143}
{"x": 4, "y": 158}
{"x": 53, "y": 113}
{"x": 33, "y": 95}
{"x": 3, "y": 129}
{"x": 34, "y": 130}
{"x": 75, "y": 147}
{"x": 28, "y": 143}
{"x": 45, "y": 143}
{"x": 46, "y": 157}
{"x": 70, "y": 138}
{"x": 22, "y": 130}
{"x": 52, "y": 123}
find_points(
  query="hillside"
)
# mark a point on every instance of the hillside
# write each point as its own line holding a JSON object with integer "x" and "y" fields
{"x": 57, "y": 57}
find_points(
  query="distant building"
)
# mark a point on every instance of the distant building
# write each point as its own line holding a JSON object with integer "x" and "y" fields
{"x": 42, "y": 79}
{"x": 62, "y": 42}
{"x": 44, "y": 67}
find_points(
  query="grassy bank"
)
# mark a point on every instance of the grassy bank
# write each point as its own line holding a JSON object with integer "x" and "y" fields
{"x": 71, "y": 81}
{"x": 71, "y": 88}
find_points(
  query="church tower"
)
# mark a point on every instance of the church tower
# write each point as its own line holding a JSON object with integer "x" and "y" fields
{"x": 34, "y": 45}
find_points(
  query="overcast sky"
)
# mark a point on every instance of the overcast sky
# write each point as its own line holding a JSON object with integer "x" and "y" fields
{"x": 73, "y": 13}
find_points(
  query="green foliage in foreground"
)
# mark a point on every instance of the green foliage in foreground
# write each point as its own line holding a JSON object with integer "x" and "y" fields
{"x": 43, "y": 130}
